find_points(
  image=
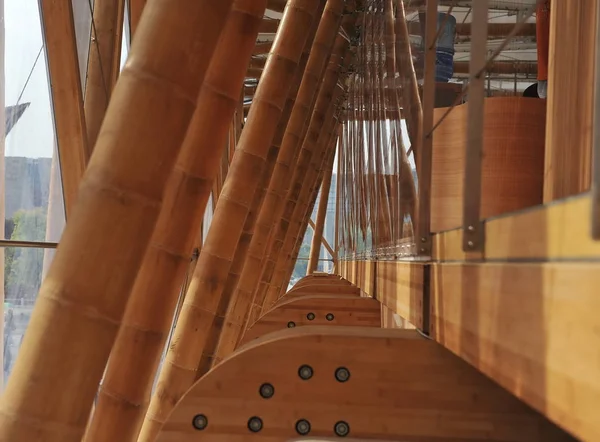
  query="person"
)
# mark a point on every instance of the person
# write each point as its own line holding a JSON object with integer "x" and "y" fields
{"x": 543, "y": 44}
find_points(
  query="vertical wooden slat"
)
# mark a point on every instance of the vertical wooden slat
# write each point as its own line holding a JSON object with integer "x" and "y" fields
{"x": 570, "y": 109}
{"x": 424, "y": 156}
{"x": 473, "y": 234}
{"x": 66, "y": 94}
{"x": 596, "y": 141}
{"x": 83, "y": 297}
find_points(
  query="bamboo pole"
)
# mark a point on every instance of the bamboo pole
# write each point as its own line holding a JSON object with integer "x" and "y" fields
{"x": 203, "y": 297}
{"x": 294, "y": 135}
{"x": 297, "y": 93}
{"x": 105, "y": 49}
{"x": 83, "y": 298}
{"x": 304, "y": 161}
{"x": 331, "y": 144}
{"x": 303, "y": 205}
{"x": 125, "y": 391}
{"x": 315, "y": 248}
{"x": 241, "y": 309}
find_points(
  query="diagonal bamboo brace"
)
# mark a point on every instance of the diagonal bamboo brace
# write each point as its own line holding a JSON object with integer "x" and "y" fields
{"x": 203, "y": 297}
{"x": 124, "y": 394}
{"x": 83, "y": 298}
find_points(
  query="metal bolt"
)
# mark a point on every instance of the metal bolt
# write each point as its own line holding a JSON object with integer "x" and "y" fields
{"x": 470, "y": 243}
{"x": 471, "y": 228}
{"x": 200, "y": 422}
{"x": 423, "y": 239}
{"x": 329, "y": 317}
{"x": 342, "y": 429}
{"x": 255, "y": 424}
{"x": 310, "y": 316}
{"x": 303, "y": 427}
{"x": 291, "y": 324}
{"x": 267, "y": 390}
{"x": 342, "y": 374}
{"x": 305, "y": 372}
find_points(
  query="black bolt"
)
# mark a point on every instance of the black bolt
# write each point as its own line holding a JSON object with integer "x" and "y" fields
{"x": 255, "y": 424}
{"x": 342, "y": 374}
{"x": 200, "y": 422}
{"x": 303, "y": 427}
{"x": 310, "y": 316}
{"x": 305, "y": 372}
{"x": 342, "y": 429}
{"x": 291, "y": 324}
{"x": 329, "y": 316}
{"x": 267, "y": 390}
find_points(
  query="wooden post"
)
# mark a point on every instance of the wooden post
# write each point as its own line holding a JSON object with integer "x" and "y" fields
{"x": 315, "y": 248}
{"x": 66, "y": 94}
{"x": 197, "y": 316}
{"x": 103, "y": 62}
{"x": 83, "y": 297}
{"x": 136, "y": 353}
{"x": 570, "y": 111}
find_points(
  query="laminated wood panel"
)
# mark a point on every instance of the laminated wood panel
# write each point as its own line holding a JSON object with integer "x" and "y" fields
{"x": 512, "y": 164}
{"x": 361, "y": 274}
{"x": 401, "y": 386}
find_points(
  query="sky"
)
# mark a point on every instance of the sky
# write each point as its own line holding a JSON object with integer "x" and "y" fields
{"x": 33, "y": 135}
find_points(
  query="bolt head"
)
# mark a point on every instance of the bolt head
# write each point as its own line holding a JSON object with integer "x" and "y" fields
{"x": 303, "y": 427}
{"x": 266, "y": 390}
{"x": 342, "y": 374}
{"x": 311, "y": 316}
{"x": 200, "y": 422}
{"x": 329, "y": 317}
{"x": 291, "y": 324}
{"x": 341, "y": 429}
{"x": 255, "y": 424}
{"x": 305, "y": 372}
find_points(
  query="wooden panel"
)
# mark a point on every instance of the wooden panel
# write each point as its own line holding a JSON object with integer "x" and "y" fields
{"x": 512, "y": 165}
{"x": 324, "y": 288}
{"x": 66, "y": 93}
{"x": 400, "y": 287}
{"x": 430, "y": 396}
{"x": 360, "y": 273}
{"x": 533, "y": 328}
{"x": 570, "y": 98}
{"x": 317, "y": 310}
{"x": 560, "y": 230}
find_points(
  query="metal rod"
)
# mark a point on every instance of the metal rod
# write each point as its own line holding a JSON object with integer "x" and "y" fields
{"x": 596, "y": 141}
{"x": 425, "y": 156}
{"x": 473, "y": 228}
{"x": 28, "y": 244}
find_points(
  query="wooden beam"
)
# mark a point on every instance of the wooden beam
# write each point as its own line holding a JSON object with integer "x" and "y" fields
{"x": 329, "y": 381}
{"x": 323, "y": 240}
{"x": 269, "y": 26}
{"x": 135, "y": 12}
{"x": 66, "y": 94}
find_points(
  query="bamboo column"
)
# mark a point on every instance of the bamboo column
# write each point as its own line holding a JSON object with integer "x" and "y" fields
{"x": 240, "y": 309}
{"x": 307, "y": 156}
{"x": 274, "y": 156}
{"x": 203, "y": 297}
{"x": 294, "y": 135}
{"x": 124, "y": 394}
{"x": 303, "y": 205}
{"x": 315, "y": 247}
{"x": 330, "y": 145}
{"x": 103, "y": 62}
{"x": 83, "y": 297}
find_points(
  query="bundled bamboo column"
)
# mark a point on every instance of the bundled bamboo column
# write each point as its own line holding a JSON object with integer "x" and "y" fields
{"x": 209, "y": 357}
{"x": 304, "y": 161}
{"x": 304, "y": 198}
{"x": 330, "y": 147}
{"x": 83, "y": 298}
{"x": 315, "y": 247}
{"x": 270, "y": 211}
{"x": 204, "y": 295}
{"x": 125, "y": 391}
{"x": 103, "y": 63}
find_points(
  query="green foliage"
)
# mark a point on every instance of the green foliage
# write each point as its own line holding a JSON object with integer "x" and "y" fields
{"x": 23, "y": 266}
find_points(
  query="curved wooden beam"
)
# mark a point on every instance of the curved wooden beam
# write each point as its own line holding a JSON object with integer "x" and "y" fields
{"x": 311, "y": 289}
{"x": 364, "y": 383}
{"x": 331, "y": 310}
{"x": 319, "y": 279}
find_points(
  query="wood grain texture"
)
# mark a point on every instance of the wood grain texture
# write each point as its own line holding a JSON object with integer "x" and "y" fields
{"x": 296, "y": 312}
{"x": 430, "y": 396}
{"x": 570, "y": 98}
{"x": 531, "y": 327}
{"x": 512, "y": 164}
{"x": 360, "y": 274}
